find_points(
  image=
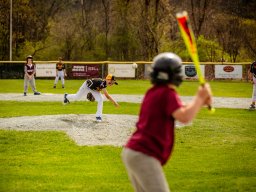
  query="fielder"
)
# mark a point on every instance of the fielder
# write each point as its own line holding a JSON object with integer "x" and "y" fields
{"x": 60, "y": 73}
{"x": 252, "y": 77}
{"x": 29, "y": 76}
{"x": 150, "y": 146}
{"x": 92, "y": 89}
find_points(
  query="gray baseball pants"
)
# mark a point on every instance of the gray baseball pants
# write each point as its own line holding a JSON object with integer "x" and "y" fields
{"x": 31, "y": 82}
{"x": 145, "y": 172}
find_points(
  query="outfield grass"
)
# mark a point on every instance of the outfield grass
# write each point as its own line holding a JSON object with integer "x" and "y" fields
{"x": 216, "y": 153}
{"x": 188, "y": 88}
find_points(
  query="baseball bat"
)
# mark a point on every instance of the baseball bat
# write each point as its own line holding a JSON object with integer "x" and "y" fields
{"x": 190, "y": 42}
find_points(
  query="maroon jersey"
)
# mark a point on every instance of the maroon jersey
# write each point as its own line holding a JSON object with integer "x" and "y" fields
{"x": 154, "y": 135}
{"x": 30, "y": 69}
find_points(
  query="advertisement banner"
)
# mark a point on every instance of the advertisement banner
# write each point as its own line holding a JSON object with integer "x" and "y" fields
{"x": 121, "y": 70}
{"x": 189, "y": 71}
{"x": 45, "y": 70}
{"x": 88, "y": 71}
{"x": 228, "y": 71}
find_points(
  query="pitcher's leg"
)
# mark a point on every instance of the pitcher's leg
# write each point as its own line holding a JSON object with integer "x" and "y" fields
{"x": 83, "y": 90}
{"x": 99, "y": 98}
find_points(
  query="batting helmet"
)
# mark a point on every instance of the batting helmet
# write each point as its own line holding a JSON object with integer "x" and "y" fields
{"x": 166, "y": 68}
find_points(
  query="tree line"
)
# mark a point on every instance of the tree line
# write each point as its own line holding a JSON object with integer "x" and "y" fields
{"x": 127, "y": 30}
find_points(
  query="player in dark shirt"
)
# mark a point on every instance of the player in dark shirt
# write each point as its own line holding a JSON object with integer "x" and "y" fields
{"x": 95, "y": 86}
{"x": 60, "y": 73}
{"x": 252, "y": 77}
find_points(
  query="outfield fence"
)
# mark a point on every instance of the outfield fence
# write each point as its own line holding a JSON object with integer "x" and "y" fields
{"x": 124, "y": 69}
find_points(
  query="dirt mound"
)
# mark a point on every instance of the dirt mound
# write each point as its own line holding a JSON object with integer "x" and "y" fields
{"x": 83, "y": 129}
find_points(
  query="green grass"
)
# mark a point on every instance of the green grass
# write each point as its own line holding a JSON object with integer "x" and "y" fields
{"x": 15, "y": 109}
{"x": 188, "y": 88}
{"x": 50, "y": 161}
{"x": 216, "y": 153}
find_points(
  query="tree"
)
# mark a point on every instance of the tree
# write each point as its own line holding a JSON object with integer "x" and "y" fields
{"x": 106, "y": 11}
{"x": 4, "y": 30}
{"x": 249, "y": 36}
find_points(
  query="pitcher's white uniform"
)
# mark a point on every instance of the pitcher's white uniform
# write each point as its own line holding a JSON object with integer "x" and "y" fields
{"x": 95, "y": 86}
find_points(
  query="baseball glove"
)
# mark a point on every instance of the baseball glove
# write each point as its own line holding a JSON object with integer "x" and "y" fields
{"x": 90, "y": 97}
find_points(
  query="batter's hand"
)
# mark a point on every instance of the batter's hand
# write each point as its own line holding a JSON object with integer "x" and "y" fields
{"x": 205, "y": 93}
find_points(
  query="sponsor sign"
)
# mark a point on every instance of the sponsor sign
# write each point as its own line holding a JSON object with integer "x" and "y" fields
{"x": 228, "y": 71}
{"x": 189, "y": 71}
{"x": 121, "y": 70}
{"x": 89, "y": 71}
{"x": 45, "y": 70}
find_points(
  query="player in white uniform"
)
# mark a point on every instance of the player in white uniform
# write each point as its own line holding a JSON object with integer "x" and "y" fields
{"x": 60, "y": 73}
{"x": 95, "y": 86}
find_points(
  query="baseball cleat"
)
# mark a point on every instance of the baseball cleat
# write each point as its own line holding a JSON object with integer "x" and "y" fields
{"x": 54, "y": 86}
{"x": 25, "y": 94}
{"x": 37, "y": 93}
{"x": 252, "y": 107}
{"x": 98, "y": 119}
{"x": 63, "y": 86}
{"x": 65, "y": 99}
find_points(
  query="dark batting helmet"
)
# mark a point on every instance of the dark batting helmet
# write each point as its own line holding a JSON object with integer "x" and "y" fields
{"x": 166, "y": 68}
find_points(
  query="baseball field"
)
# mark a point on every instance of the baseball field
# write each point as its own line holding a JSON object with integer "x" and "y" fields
{"x": 216, "y": 152}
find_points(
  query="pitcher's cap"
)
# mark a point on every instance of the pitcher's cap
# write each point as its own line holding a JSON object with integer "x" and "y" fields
{"x": 112, "y": 77}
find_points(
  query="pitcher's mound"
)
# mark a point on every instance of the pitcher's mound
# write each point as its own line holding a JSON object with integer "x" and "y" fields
{"x": 83, "y": 129}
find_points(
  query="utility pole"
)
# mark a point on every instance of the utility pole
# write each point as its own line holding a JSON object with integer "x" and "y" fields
{"x": 10, "y": 30}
